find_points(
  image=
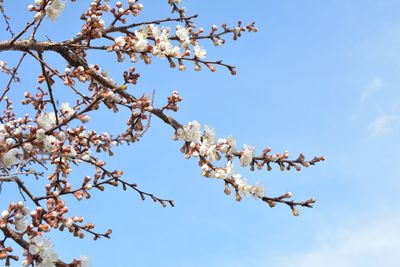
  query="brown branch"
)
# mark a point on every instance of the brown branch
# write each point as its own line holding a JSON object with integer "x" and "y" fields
{"x": 206, "y": 62}
{"x": 84, "y": 97}
{"x": 6, "y": 19}
{"x": 107, "y": 181}
{"x": 271, "y": 201}
{"x": 62, "y": 48}
{"x": 167, "y": 119}
{"x": 112, "y": 28}
{"x": 8, "y": 232}
{"x": 181, "y": 12}
{"x": 133, "y": 25}
{"x": 290, "y": 203}
{"x": 21, "y": 186}
{"x": 22, "y": 32}
{"x": 28, "y": 44}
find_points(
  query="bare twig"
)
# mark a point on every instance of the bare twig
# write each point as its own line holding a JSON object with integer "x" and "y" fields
{"x": 6, "y": 19}
{"x": 49, "y": 88}
{"x": 14, "y": 73}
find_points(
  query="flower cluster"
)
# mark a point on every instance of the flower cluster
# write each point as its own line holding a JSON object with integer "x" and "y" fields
{"x": 46, "y": 121}
{"x": 257, "y": 190}
{"x": 204, "y": 144}
{"x": 52, "y": 8}
{"x": 183, "y": 35}
{"x": 11, "y": 157}
{"x": 162, "y": 47}
{"x": 173, "y": 101}
{"x": 190, "y": 133}
{"x": 43, "y": 248}
{"x": 16, "y": 214}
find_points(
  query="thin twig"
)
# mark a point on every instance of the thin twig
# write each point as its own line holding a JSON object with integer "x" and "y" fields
{"x": 48, "y": 83}
{"x": 6, "y": 19}
{"x": 12, "y": 76}
{"x": 22, "y": 32}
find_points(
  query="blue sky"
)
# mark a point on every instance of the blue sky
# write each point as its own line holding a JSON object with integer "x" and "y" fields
{"x": 319, "y": 78}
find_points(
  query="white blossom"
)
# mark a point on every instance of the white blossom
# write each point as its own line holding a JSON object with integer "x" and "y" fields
{"x": 199, "y": 52}
{"x": 212, "y": 153}
{"x": 120, "y": 41}
{"x": 73, "y": 152}
{"x": 84, "y": 118}
{"x": 10, "y": 141}
{"x": 61, "y": 136}
{"x": 220, "y": 173}
{"x": 46, "y": 120}
{"x": 247, "y": 189}
{"x": 11, "y": 157}
{"x": 84, "y": 261}
{"x": 227, "y": 144}
{"x": 27, "y": 147}
{"x": 230, "y": 169}
{"x": 2, "y": 136}
{"x": 5, "y": 214}
{"x": 50, "y": 143}
{"x": 190, "y": 132}
{"x": 17, "y": 131}
{"x": 208, "y": 144}
{"x": 247, "y": 155}
{"x": 183, "y": 34}
{"x": 68, "y": 222}
{"x": 173, "y": 51}
{"x": 40, "y": 134}
{"x": 209, "y": 136}
{"x": 232, "y": 143}
{"x": 38, "y": 16}
{"x": 155, "y": 30}
{"x": 20, "y": 218}
{"x": 86, "y": 157}
{"x": 163, "y": 45}
{"x": 259, "y": 190}
{"x": 204, "y": 167}
{"x": 53, "y": 11}
{"x": 67, "y": 110}
{"x": 44, "y": 249}
{"x": 241, "y": 182}
{"x": 141, "y": 43}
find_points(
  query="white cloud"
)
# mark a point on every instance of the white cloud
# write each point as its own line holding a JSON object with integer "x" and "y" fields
{"x": 383, "y": 124}
{"x": 373, "y": 86}
{"x": 370, "y": 245}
